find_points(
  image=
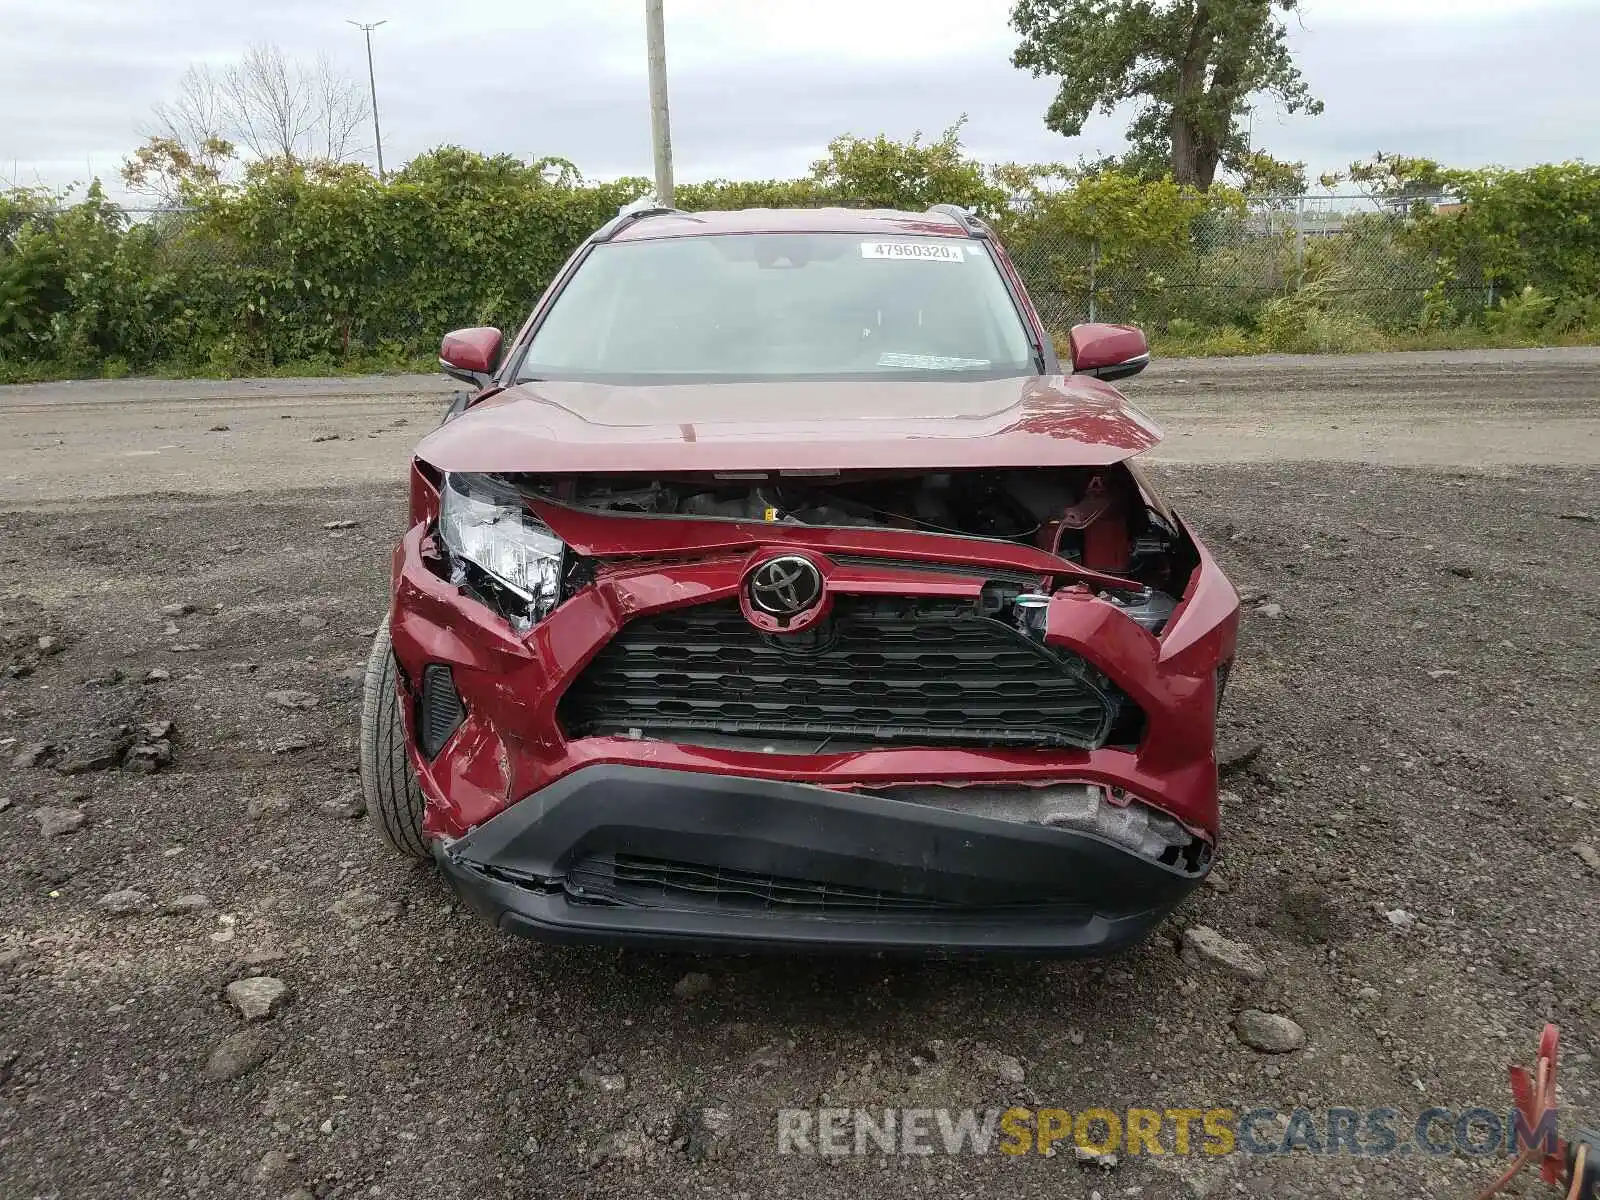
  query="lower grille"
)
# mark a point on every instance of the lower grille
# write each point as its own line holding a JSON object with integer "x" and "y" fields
{"x": 929, "y": 672}
{"x": 439, "y": 709}
{"x": 638, "y": 882}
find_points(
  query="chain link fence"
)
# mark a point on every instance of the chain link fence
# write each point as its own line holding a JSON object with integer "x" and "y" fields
{"x": 1341, "y": 252}
{"x": 1342, "y": 259}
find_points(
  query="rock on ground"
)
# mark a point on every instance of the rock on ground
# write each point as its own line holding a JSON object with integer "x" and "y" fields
{"x": 258, "y": 807}
{"x": 56, "y": 822}
{"x": 148, "y": 757}
{"x": 709, "y": 1131}
{"x": 625, "y": 1145}
{"x": 237, "y": 1054}
{"x": 257, "y": 997}
{"x": 274, "y": 1165}
{"x": 35, "y": 754}
{"x": 603, "y": 1077}
{"x": 1268, "y": 1032}
{"x": 124, "y": 902}
{"x": 100, "y": 754}
{"x": 350, "y": 805}
{"x": 692, "y": 986}
{"x": 1007, "y": 1068}
{"x": 1205, "y": 947}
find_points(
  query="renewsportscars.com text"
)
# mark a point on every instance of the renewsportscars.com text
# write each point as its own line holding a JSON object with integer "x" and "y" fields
{"x": 1369, "y": 1132}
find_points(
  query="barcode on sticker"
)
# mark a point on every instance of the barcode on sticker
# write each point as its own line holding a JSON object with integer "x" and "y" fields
{"x": 917, "y": 251}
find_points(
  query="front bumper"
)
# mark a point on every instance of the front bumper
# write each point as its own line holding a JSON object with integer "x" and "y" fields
{"x": 683, "y": 860}
{"x": 512, "y": 743}
{"x": 513, "y": 802}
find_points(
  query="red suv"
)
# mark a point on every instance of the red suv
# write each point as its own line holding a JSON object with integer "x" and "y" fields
{"x": 777, "y": 586}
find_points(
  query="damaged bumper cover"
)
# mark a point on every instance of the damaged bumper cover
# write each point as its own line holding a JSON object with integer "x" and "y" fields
{"x": 674, "y": 844}
{"x": 619, "y": 854}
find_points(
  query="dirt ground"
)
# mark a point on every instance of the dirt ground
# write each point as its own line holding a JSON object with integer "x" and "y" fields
{"x": 1401, "y": 853}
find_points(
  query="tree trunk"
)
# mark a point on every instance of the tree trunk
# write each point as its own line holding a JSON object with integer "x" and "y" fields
{"x": 1195, "y": 155}
{"x": 1188, "y": 142}
{"x": 1207, "y": 157}
{"x": 1185, "y": 154}
{"x": 1221, "y": 98}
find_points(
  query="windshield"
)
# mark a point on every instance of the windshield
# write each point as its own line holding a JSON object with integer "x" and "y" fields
{"x": 782, "y": 306}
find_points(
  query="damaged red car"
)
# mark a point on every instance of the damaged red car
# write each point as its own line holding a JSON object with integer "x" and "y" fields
{"x": 776, "y": 586}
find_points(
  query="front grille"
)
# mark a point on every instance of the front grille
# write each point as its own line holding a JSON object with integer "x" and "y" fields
{"x": 929, "y": 672}
{"x": 634, "y": 881}
{"x": 1012, "y": 575}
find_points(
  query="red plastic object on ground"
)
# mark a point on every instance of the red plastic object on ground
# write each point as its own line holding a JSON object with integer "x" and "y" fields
{"x": 1535, "y": 1095}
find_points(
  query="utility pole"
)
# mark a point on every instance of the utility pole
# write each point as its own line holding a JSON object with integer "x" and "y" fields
{"x": 372, "y": 82}
{"x": 661, "y": 135}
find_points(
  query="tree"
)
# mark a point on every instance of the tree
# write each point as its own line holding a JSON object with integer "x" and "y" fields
{"x": 906, "y": 175}
{"x": 196, "y": 116}
{"x": 1263, "y": 176}
{"x": 1190, "y": 67}
{"x": 186, "y": 150}
{"x": 167, "y": 169}
{"x": 1397, "y": 181}
{"x": 278, "y": 109}
{"x": 456, "y": 171}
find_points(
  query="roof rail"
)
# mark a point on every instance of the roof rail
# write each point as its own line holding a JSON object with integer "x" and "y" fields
{"x": 627, "y": 214}
{"x": 970, "y": 221}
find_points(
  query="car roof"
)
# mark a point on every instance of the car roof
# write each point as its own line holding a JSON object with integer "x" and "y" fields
{"x": 874, "y": 221}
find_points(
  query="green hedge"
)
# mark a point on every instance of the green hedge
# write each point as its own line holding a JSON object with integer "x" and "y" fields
{"x": 332, "y": 267}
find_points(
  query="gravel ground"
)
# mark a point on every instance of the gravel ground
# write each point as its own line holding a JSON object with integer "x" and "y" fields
{"x": 72, "y": 441}
{"x": 1400, "y": 854}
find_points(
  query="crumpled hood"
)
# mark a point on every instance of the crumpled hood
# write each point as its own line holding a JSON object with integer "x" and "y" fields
{"x": 556, "y": 427}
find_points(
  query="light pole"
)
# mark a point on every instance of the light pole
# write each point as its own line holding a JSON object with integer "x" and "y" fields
{"x": 372, "y": 82}
{"x": 656, "y": 45}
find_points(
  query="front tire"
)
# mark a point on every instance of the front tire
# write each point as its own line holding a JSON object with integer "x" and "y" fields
{"x": 394, "y": 801}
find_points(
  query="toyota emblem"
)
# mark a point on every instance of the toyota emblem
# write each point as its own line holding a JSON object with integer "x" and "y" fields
{"x": 786, "y": 587}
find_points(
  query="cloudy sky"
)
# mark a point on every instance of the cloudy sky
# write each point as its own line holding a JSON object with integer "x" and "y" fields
{"x": 759, "y": 86}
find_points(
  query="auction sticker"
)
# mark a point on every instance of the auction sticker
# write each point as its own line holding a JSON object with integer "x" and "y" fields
{"x": 947, "y": 251}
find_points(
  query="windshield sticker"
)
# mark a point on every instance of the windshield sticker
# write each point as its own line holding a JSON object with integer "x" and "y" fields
{"x": 931, "y": 362}
{"x": 914, "y": 251}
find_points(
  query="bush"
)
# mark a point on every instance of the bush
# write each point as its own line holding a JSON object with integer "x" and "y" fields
{"x": 326, "y": 266}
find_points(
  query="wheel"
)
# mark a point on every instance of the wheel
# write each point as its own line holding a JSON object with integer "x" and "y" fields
{"x": 394, "y": 801}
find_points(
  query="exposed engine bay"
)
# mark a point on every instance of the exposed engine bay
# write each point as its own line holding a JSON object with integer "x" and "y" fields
{"x": 1099, "y": 517}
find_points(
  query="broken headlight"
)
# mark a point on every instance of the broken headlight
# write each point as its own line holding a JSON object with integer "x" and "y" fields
{"x": 491, "y": 533}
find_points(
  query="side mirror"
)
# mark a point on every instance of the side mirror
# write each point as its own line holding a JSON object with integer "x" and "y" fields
{"x": 470, "y": 355}
{"x": 1108, "y": 351}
